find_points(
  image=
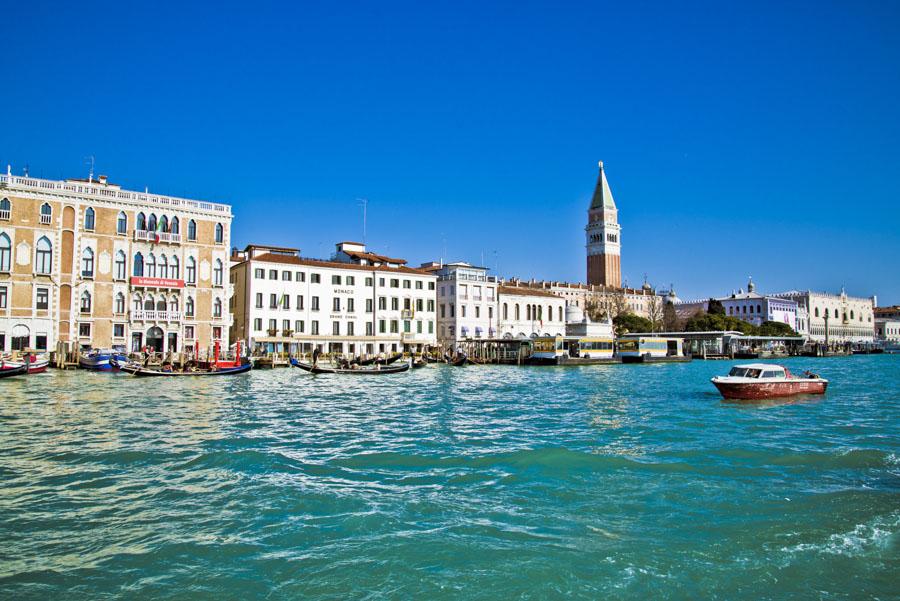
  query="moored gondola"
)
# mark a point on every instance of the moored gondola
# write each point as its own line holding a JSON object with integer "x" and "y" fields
{"x": 16, "y": 371}
{"x": 378, "y": 370}
{"x": 458, "y": 361}
{"x": 136, "y": 369}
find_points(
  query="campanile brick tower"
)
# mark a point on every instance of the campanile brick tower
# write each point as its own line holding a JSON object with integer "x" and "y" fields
{"x": 602, "y": 235}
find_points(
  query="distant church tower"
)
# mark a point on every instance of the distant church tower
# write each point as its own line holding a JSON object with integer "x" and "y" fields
{"x": 602, "y": 233}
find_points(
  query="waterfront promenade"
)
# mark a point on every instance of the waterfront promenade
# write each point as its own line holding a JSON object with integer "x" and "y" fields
{"x": 476, "y": 483}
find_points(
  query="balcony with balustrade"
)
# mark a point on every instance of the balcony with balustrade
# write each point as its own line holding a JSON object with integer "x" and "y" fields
{"x": 154, "y": 315}
{"x": 156, "y": 237}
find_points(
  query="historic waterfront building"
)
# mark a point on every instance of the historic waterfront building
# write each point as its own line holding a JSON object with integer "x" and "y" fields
{"x": 600, "y": 299}
{"x": 835, "y": 318}
{"x": 357, "y": 302}
{"x": 88, "y": 264}
{"x": 603, "y": 236}
{"x": 527, "y": 312}
{"x": 466, "y": 302}
{"x": 752, "y": 307}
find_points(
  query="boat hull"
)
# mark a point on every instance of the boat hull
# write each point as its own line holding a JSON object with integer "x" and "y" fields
{"x": 101, "y": 362}
{"x": 769, "y": 390}
{"x": 380, "y": 371}
{"x": 16, "y": 371}
{"x": 33, "y": 368}
{"x": 143, "y": 372}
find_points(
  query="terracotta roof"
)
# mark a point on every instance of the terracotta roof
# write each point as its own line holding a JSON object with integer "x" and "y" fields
{"x": 526, "y": 291}
{"x": 370, "y": 256}
{"x": 292, "y": 260}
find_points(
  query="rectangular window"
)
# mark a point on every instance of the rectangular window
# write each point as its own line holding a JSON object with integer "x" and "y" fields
{"x": 350, "y": 328}
{"x": 443, "y": 312}
{"x": 298, "y": 326}
{"x": 217, "y": 332}
{"x": 431, "y": 327}
{"x": 189, "y": 332}
{"x": 314, "y": 303}
{"x": 369, "y": 305}
{"x": 301, "y": 277}
{"x": 42, "y": 299}
{"x": 382, "y": 303}
{"x": 285, "y": 324}
{"x": 431, "y": 285}
{"x": 350, "y": 305}
{"x": 336, "y": 304}
{"x": 273, "y": 274}
{"x": 273, "y": 301}
{"x": 418, "y": 284}
{"x": 3, "y": 300}
{"x": 351, "y": 281}
{"x": 395, "y": 326}
{"x": 395, "y": 283}
{"x": 407, "y": 284}
{"x": 118, "y": 330}
{"x": 370, "y": 281}
{"x": 336, "y": 328}
{"x": 259, "y": 273}
{"x": 259, "y": 300}
{"x": 477, "y": 311}
{"x": 462, "y": 311}
{"x": 314, "y": 328}
{"x": 382, "y": 326}
{"x": 395, "y": 304}
{"x": 286, "y": 302}
{"x": 430, "y": 306}
{"x": 257, "y": 324}
{"x": 406, "y": 326}
{"x": 273, "y": 324}
{"x": 336, "y": 280}
{"x": 490, "y": 313}
{"x": 299, "y": 302}
{"x": 315, "y": 278}
{"x": 407, "y": 303}
{"x": 84, "y": 330}
{"x": 369, "y": 329}
{"x": 452, "y": 311}
{"x": 381, "y": 282}
{"x": 418, "y": 327}
{"x": 286, "y": 276}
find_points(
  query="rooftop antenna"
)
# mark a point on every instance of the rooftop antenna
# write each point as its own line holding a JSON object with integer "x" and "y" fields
{"x": 365, "y": 205}
{"x": 26, "y": 169}
{"x": 90, "y": 159}
{"x": 443, "y": 247}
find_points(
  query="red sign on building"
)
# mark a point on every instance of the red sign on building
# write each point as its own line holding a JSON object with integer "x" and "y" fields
{"x": 156, "y": 282}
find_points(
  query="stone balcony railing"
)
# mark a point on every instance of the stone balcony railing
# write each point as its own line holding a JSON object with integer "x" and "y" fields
{"x": 152, "y": 315}
{"x": 148, "y": 236}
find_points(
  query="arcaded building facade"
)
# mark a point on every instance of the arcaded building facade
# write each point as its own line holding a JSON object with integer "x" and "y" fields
{"x": 89, "y": 264}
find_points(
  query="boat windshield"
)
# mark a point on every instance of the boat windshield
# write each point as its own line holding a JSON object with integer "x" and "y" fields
{"x": 743, "y": 372}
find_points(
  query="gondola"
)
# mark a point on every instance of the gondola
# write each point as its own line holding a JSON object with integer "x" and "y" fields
{"x": 419, "y": 363}
{"x": 16, "y": 371}
{"x": 370, "y": 371}
{"x": 136, "y": 369}
{"x": 459, "y": 361}
{"x": 377, "y": 360}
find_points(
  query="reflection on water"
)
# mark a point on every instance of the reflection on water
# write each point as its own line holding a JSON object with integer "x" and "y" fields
{"x": 597, "y": 481}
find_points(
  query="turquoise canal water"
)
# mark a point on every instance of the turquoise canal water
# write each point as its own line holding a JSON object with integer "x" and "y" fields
{"x": 632, "y": 481}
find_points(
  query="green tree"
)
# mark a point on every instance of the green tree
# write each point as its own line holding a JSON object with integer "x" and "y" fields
{"x": 775, "y": 328}
{"x": 629, "y": 322}
{"x": 715, "y": 307}
{"x": 670, "y": 318}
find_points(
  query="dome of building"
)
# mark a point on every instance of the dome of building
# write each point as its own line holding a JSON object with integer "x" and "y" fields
{"x": 574, "y": 314}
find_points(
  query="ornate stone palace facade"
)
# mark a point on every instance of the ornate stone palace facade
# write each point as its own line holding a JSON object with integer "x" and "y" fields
{"x": 86, "y": 263}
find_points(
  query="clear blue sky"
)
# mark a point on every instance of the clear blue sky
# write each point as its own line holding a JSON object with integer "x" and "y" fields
{"x": 740, "y": 139}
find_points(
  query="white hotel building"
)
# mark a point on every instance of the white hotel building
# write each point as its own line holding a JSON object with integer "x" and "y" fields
{"x": 467, "y": 302}
{"x": 356, "y": 303}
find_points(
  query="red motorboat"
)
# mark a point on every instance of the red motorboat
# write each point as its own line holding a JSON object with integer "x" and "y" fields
{"x": 36, "y": 364}
{"x": 767, "y": 381}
